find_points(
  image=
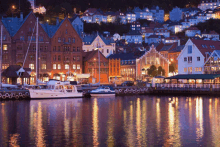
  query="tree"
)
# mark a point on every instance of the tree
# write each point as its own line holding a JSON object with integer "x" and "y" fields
{"x": 152, "y": 71}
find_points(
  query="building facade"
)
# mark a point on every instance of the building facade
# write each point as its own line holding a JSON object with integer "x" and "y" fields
{"x": 91, "y": 42}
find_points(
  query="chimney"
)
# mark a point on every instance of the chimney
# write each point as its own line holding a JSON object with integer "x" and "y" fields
{"x": 57, "y": 21}
{"x": 21, "y": 16}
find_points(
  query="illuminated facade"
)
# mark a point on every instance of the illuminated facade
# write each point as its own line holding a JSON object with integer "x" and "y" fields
{"x": 212, "y": 65}
{"x": 114, "y": 68}
{"x": 151, "y": 57}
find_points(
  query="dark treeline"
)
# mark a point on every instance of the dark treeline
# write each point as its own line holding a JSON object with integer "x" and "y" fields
{"x": 67, "y": 6}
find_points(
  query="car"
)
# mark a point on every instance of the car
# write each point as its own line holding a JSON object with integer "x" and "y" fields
{"x": 128, "y": 83}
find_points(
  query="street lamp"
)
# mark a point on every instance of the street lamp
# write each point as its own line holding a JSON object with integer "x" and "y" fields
{"x": 13, "y": 8}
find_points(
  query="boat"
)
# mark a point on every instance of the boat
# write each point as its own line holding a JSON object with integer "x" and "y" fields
{"x": 56, "y": 89}
{"x": 102, "y": 91}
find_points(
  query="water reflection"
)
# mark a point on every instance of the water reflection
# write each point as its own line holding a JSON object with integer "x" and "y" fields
{"x": 95, "y": 122}
{"x": 123, "y": 121}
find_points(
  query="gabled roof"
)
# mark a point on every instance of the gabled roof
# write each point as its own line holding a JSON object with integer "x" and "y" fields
{"x": 88, "y": 55}
{"x": 13, "y": 24}
{"x": 73, "y": 18}
{"x": 206, "y": 45}
{"x": 172, "y": 38}
{"x": 11, "y": 72}
{"x": 52, "y": 29}
{"x": 88, "y": 39}
{"x": 127, "y": 56}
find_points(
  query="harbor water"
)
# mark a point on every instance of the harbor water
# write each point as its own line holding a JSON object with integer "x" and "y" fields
{"x": 120, "y": 121}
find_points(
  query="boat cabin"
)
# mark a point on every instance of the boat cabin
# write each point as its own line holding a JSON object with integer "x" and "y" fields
{"x": 62, "y": 86}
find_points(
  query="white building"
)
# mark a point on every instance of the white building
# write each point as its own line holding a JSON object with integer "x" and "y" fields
{"x": 158, "y": 14}
{"x": 192, "y": 31}
{"x": 147, "y": 15}
{"x": 130, "y": 17}
{"x": 193, "y": 56}
{"x": 92, "y": 42}
{"x": 210, "y": 35}
{"x": 154, "y": 39}
{"x": 164, "y": 32}
{"x": 208, "y": 4}
{"x": 176, "y": 14}
{"x": 134, "y": 37}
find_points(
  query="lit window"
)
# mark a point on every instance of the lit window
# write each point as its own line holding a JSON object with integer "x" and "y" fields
{"x": 78, "y": 66}
{"x": 66, "y": 66}
{"x": 74, "y": 66}
{"x": 31, "y": 66}
{"x": 5, "y": 47}
{"x": 54, "y": 66}
{"x": 58, "y": 66}
{"x": 43, "y": 66}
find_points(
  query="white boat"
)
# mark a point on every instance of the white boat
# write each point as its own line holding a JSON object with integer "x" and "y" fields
{"x": 56, "y": 89}
{"x": 102, "y": 91}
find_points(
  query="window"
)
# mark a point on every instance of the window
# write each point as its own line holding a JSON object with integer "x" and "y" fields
{"x": 54, "y": 58}
{"x": 66, "y": 58}
{"x": 73, "y": 40}
{"x": 198, "y": 58}
{"x": 77, "y": 49}
{"x": 66, "y": 66}
{"x": 41, "y": 38}
{"x": 189, "y": 59}
{"x": 63, "y": 39}
{"x": 31, "y": 57}
{"x": 45, "y": 48}
{"x": 190, "y": 69}
{"x": 54, "y": 66}
{"x": 43, "y": 66}
{"x": 5, "y": 47}
{"x": 78, "y": 58}
{"x": 31, "y": 66}
{"x": 189, "y": 49}
{"x": 185, "y": 59}
{"x": 19, "y": 48}
{"x": 78, "y": 66}
{"x": 22, "y": 38}
{"x": 74, "y": 49}
{"x": 107, "y": 50}
{"x": 58, "y": 66}
{"x": 59, "y": 57}
{"x": 41, "y": 48}
{"x": 69, "y": 40}
{"x": 74, "y": 58}
{"x": 66, "y": 31}
{"x": 59, "y": 39}
{"x": 34, "y": 48}
{"x": 58, "y": 48}
{"x": 54, "y": 48}
{"x": 74, "y": 66}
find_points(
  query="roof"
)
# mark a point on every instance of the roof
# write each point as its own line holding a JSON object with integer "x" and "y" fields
{"x": 190, "y": 9}
{"x": 13, "y": 24}
{"x": 137, "y": 9}
{"x": 127, "y": 56}
{"x": 88, "y": 39}
{"x": 192, "y": 28}
{"x": 134, "y": 32}
{"x": 51, "y": 29}
{"x": 177, "y": 49}
{"x": 172, "y": 38}
{"x": 88, "y": 55}
{"x": 194, "y": 76}
{"x": 73, "y": 18}
{"x": 206, "y": 45}
{"x": 156, "y": 36}
{"x": 10, "y": 72}
{"x": 148, "y": 30}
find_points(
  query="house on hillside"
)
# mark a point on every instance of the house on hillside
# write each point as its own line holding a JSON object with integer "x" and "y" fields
{"x": 195, "y": 53}
{"x": 211, "y": 35}
{"x": 97, "y": 41}
{"x": 133, "y": 37}
{"x": 192, "y": 31}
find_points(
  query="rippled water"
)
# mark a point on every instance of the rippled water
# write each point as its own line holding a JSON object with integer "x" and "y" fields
{"x": 120, "y": 121}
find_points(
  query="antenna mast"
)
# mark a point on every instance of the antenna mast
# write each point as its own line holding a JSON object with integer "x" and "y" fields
{"x": 37, "y": 53}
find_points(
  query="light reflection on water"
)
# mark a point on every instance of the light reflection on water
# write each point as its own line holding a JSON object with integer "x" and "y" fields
{"x": 120, "y": 121}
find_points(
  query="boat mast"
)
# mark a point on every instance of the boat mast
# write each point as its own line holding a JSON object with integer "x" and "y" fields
{"x": 99, "y": 58}
{"x": 1, "y": 59}
{"x": 37, "y": 53}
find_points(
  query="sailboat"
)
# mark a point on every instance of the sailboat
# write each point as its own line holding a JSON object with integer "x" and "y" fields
{"x": 55, "y": 88}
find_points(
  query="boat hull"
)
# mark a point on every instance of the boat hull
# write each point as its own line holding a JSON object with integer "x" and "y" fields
{"x": 50, "y": 94}
{"x": 101, "y": 95}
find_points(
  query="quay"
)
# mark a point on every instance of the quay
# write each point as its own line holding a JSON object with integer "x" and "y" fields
{"x": 9, "y": 94}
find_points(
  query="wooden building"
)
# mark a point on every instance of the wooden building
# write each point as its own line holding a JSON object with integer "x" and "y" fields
{"x": 91, "y": 66}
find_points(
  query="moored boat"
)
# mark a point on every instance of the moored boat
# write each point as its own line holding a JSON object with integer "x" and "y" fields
{"x": 102, "y": 91}
{"x": 56, "y": 89}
